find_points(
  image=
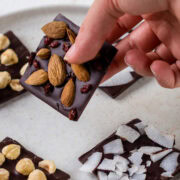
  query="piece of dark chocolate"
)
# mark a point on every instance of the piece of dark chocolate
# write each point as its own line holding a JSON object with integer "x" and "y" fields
{"x": 120, "y": 82}
{"x": 134, "y": 152}
{"x": 10, "y": 89}
{"x": 73, "y": 85}
{"x": 13, "y": 155}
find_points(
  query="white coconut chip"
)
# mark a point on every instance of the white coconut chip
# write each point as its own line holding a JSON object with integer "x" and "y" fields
{"x": 107, "y": 165}
{"x": 163, "y": 140}
{"x": 138, "y": 177}
{"x": 167, "y": 174}
{"x": 141, "y": 126}
{"x": 125, "y": 177}
{"x": 92, "y": 162}
{"x": 157, "y": 156}
{"x": 123, "y": 77}
{"x": 141, "y": 170}
{"x": 133, "y": 169}
{"x": 114, "y": 147}
{"x": 148, "y": 163}
{"x": 102, "y": 175}
{"x": 170, "y": 163}
{"x": 149, "y": 149}
{"x": 121, "y": 164}
{"x": 136, "y": 158}
{"x": 127, "y": 133}
{"x": 113, "y": 176}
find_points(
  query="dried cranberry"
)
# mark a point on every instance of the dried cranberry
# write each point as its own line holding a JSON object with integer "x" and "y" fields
{"x": 66, "y": 46}
{"x": 86, "y": 88}
{"x": 47, "y": 41}
{"x": 54, "y": 44}
{"x": 36, "y": 64}
{"x": 31, "y": 57}
{"x": 48, "y": 88}
{"x": 73, "y": 114}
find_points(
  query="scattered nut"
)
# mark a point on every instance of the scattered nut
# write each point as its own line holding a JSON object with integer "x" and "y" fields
{"x": 9, "y": 57}
{"x": 15, "y": 85}
{"x": 5, "y": 79}
{"x": 25, "y": 166}
{"x": 4, "y": 174}
{"x": 55, "y": 29}
{"x": 37, "y": 78}
{"x": 44, "y": 53}
{"x": 23, "y": 69}
{"x": 11, "y": 151}
{"x": 71, "y": 35}
{"x": 48, "y": 165}
{"x": 4, "y": 42}
{"x": 37, "y": 175}
{"x": 2, "y": 159}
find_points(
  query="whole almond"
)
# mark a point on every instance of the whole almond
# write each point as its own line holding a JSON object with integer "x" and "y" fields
{"x": 68, "y": 93}
{"x": 44, "y": 53}
{"x": 56, "y": 70}
{"x": 38, "y": 77}
{"x": 81, "y": 72}
{"x": 55, "y": 29}
{"x": 71, "y": 35}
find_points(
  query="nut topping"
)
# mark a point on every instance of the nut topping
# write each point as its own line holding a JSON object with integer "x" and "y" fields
{"x": 9, "y": 57}
{"x": 25, "y": 166}
{"x": 37, "y": 78}
{"x": 4, "y": 174}
{"x": 71, "y": 35}
{"x": 37, "y": 175}
{"x": 55, "y": 29}
{"x": 5, "y": 79}
{"x": 2, "y": 159}
{"x": 4, "y": 42}
{"x": 15, "y": 85}
{"x": 48, "y": 165}
{"x": 44, "y": 53}
{"x": 23, "y": 69}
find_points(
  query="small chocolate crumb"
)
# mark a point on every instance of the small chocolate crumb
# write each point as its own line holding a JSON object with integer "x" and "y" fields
{"x": 36, "y": 64}
{"x": 31, "y": 58}
{"x": 48, "y": 41}
{"x": 66, "y": 46}
{"x": 48, "y": 88}
{"x": 98, "y": 65}
{"x": 86, "y": 88}
{"x": 54, "y": 44}
{"x": 73, "y": 114}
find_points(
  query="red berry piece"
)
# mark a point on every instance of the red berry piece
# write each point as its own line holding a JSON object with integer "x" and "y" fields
{"x": 47, "y": 41}
{"x": 31, "y": 57}
{"x": 48, "y": 88}
{"x": 54, "y": 44}
{"x": 73, "y": 114}
{"x": 86, "y": 88}
{"x": 36, "y": 64}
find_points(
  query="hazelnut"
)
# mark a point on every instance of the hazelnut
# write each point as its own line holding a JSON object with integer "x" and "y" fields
{"x": 23, "y": 69}
{"x": 48, "y": 165}
{"x": 11, "y": 151}
{"x": 9, "y": 57}
{"x": 37, "y": 175}
{"x": 25, "y": 166}
{"x": 2, "y": 159}
{"x": 4, "y": 174}
{"x": 15, "y": 85}
{"x": 4, "y": 42}
{"x": 5, "y": 79}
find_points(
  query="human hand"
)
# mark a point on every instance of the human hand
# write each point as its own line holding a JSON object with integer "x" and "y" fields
{"x": 107, "y": 20}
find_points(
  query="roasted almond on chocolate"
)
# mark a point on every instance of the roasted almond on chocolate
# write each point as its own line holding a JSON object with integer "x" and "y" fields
{"x": 4, "y": 42}
{"x": 15, "y": 85}
{"x": 55, "y": 29}
{"x": 44, "y": 53}
{"x": 56, "y": 70}
{"x": 71, "y": 35}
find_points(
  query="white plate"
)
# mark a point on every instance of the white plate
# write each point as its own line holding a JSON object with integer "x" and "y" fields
{"x": 52, "y": 136}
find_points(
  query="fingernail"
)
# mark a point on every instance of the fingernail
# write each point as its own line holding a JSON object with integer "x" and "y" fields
{"x": 154, "y": 73}
{"x": 126, "y": 61}
{"x": 70, "y": 53}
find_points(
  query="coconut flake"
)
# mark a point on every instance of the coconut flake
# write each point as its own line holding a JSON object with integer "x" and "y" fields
{"x": 163, "y": 140}
{"x": 121, "y": 164}
{"x": 149, "y": 149}
{"x": 114, "y": 147}
{"x": 113, "y": 176}
{"x": 107, "y": 165}
{"x": 138, "y": 177}
{"x": 92, "y": 162}
{"x": 141, "y": 170}
{"x": 102, "y": 175}
{"x": 167, "y": 174}
{"x": 128, "y": 133}
{"x": 148, "y": 163}
{"x": 125, "y": 177}
{"x": 170, "y": 162}
{"x": 123, "y": 77}
{"x": 136, "y": 158}
{"x": 157, "y": 156}
{"x": 141, "y": 126}
{"x": 133, "y": 169}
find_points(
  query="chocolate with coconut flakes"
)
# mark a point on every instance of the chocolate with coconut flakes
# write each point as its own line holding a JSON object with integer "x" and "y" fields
{"x": 70, "y": 91}
{"x": 14, "y": 70}
{"x": 10, "y": 165}
{"x": 140, "y": 157}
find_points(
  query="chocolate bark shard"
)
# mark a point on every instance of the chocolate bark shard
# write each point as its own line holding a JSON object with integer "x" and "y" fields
{"x": 96, "y": 68}
{"x": 139, "y": 155}
{"x": 10, "y": 165}
{"x": 14, "y": 70}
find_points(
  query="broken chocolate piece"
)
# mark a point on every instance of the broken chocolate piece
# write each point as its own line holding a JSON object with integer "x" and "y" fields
{"x": 86, "y": 76}
{"x": 21, "y": 51}
{"x": 25, "y": 155}
{"x": 138, "y": 158}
